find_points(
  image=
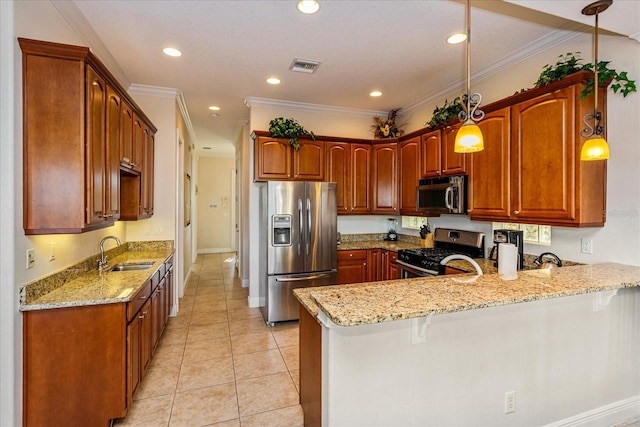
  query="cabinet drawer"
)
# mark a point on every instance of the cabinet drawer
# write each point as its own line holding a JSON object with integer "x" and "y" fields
{"x": 358, "y": 254}
{"x": 138, "y": 300}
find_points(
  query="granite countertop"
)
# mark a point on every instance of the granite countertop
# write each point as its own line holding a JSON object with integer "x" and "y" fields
{"x": 94, "y": 287}
{"x": 377, "y": 244}
{"x": 376, "y": 302}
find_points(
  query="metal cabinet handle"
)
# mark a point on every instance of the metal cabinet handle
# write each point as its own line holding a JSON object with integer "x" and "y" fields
{"x": 516, "y": 212}
{"x": 143, "y": 297}
{"x": 469, "y": 210}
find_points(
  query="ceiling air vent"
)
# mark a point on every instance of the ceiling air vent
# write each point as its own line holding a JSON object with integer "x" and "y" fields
{"x": 304, "y": 65}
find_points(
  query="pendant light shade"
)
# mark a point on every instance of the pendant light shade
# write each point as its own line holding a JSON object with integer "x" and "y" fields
{"x": 595, "y": 147}
{"x": 469, "y": 137}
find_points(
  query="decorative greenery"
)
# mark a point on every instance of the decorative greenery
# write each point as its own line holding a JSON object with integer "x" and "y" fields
{"x": 572, "y": 63}
{"x": 441, "y": 115}
{"x": 387, "y": 128}
{"x": 288, "y": 128}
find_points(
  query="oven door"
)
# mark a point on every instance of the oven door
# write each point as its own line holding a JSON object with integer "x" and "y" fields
{"x": 408, "y": 271}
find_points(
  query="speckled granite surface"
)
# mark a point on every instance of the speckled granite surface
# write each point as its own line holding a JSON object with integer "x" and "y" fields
{"x": 366, "y": 303}
{"x": 83, "y": 284}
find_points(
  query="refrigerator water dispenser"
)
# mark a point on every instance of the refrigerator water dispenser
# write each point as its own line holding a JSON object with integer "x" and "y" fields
{"x": 281, "y": 230}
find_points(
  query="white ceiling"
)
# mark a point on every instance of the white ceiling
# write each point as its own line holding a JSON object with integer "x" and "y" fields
{"x": 231, "y": 47}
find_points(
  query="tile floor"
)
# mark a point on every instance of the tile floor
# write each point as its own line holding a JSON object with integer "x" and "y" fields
{"x": 217, "y": 363}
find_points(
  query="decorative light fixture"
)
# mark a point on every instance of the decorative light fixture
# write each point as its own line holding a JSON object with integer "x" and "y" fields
{"x": 469, "y": 137}
{"x": 595, "y": 147}
{"x": 308, "y": 7}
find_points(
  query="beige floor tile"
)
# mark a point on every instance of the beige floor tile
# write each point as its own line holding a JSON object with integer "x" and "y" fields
{"x": 295, "y": 376}
{"x": 181, "y": 321}
{"x": 237, "y": 294}
{"x": 291, "y": 416}
{"x": 210, "y": 306}
{"x": 215, "y": 290}
{"x": 158, "y": 382}
{"x": 167, "y": 355}
{"x": 291, "y": 357}
{"x": 244, "y": 313}
{"x": 154, "y": 411}
{"x": 212, "y": 281}
{"x": 248, "y": 326}
{"x": 266, "y": 393}
{"x": 208, "y": 332}
{"x": 207, "y": 349}
{"x": 177, "y": 336}
{"x": 230, "y": 423}
{"x": 250, "y": 343}
{"x": 232, "y": 304}
{"x": 208, "y": 317}
{"x": 213, "y": 298}
{"x": 205, "y": 406}
{"x": 259, "y": 363}
{"x": 286, "y": 336}
{"x": 204, "y": 373}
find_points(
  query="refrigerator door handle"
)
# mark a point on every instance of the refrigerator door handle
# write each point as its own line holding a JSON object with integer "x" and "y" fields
{"x": 308, "y": 225}
{"x": 299, "y": 224}
{"x": 299, "y": 279}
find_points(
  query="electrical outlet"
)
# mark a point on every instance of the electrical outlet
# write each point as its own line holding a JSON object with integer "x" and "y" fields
{"x": 586, "y": 246}
{"x": 510, "y": 402}
{"x": 31, "y": 259}
{"x": 52, "y": 251}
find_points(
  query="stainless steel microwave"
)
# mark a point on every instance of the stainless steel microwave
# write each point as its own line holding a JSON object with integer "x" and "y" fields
{"x": 442, "y": 195}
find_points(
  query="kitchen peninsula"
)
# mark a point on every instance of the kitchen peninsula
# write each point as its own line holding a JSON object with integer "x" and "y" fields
{"x": 453, "y": 350}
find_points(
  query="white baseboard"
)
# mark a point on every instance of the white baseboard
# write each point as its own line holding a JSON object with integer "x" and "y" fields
{"x": 214, "y": 250}
{"x": 607, "y": 415}
{"x": 256, "y": 302}
{"x": 245, "y": 283}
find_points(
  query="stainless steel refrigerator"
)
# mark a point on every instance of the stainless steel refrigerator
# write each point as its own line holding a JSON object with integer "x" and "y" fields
{"x": 298, "y": 243}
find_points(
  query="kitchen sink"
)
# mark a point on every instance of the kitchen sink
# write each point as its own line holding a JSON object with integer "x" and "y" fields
{"x": 131, "y": 266}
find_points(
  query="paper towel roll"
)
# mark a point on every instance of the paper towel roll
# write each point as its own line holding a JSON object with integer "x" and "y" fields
{"x": 508, "y": 261}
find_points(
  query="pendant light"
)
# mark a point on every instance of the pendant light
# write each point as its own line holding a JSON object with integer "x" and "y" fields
{"x": 595, "y": 147}
{"x": 469, "y": 137}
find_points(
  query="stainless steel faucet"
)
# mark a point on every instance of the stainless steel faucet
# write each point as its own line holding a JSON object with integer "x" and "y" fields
{"x": 102, "y": 264}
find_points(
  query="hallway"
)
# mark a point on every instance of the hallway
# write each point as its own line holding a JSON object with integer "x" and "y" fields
{"x": 217, "y": 363}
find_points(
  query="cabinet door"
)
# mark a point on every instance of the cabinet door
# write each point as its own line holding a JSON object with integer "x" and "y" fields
{"x": 96, "y": 152}
{"x": 112, "y": 188}
{"x": 452, "y": 163}
{"x": 543, "y": 143}
{"x": 147, "y": 175}
{"x": 360, "y": 179}
{"x": 308, "y": 161}
{"x": 126, "y": 136}
{"x": 393, "y": 266}
{"x": 338, "y": 171}
{"x": 489, "y": 170}
{"x": 431, "y": 157}
{"x": 145, "y": 336}
{"x": 352, "y": 267}
{"x": 138, "y": 137}
{"x": 134, "y": 358}
{"x": 409, "y": 169}
{"x": 272, "y": 159}
{"x": 375, "y": 264}
{"x": 384, "y": 179}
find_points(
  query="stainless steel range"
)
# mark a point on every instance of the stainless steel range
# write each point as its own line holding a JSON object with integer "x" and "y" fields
{"x": 422, "y": 262}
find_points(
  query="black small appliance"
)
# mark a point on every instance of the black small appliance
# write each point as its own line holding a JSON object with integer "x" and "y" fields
{"x": 508, "y": 236}
{"x": 391, "y": 236}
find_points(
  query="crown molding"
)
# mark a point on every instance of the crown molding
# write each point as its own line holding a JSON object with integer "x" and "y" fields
{"x": 312, "y": 108}
{"x": 570, "y": 31}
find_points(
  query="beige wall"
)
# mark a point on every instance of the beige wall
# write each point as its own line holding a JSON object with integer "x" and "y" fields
{"x": 214, "y": 204}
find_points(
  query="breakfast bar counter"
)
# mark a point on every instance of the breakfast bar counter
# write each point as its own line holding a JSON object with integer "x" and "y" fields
{"x": 450, "y": 350}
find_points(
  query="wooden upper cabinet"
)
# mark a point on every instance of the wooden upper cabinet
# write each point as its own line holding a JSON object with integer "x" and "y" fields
{"x": 338, "y": 166}
{"x": 138, "y": 143}
{"x": 96, "y": 149}
{"x": 147, "y": 184}
{"x": 452, "y": 163}
{"x": 431, "y": 154}
{"x": 409, "y": 170}
{"x": 544, "y": 150}
{"x": 272, "y": 159}
{"x": 127, "y": 132}
{"x": 384, "y": 178}
{"x": 113, "y": 139}
{"x": 360, "y": 202}
{"x": 489, "y": 170}
{"x": 308, "y": 161}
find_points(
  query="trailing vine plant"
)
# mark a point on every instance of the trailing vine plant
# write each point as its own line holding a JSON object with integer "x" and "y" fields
{"x": 288, "y": 128}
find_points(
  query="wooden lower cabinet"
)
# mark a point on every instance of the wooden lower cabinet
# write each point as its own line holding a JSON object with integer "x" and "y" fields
{"x": 310, "y": 344}
{"x": 352, "y": 267}
{"x": 83, "y": 365}
{"x": 392, "y": 266}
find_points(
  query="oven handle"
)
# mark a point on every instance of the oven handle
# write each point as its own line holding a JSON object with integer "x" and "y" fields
{"x": 448, "y": 198}
{"x": 415, "y": 269}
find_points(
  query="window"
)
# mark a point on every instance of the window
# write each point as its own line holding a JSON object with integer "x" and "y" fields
{"x": 413, "y": 222}
{"x": 532, "y": 233}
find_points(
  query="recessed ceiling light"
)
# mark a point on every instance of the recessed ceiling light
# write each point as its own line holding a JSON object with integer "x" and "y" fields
{"x": 456, "y": 38}
{"x": 214, "y": 108}
{"x": 375, "y": 93}
{"x": 273, "y": 81}
{"x": 172, "y": 51}
{"x": 308, "y": 6}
